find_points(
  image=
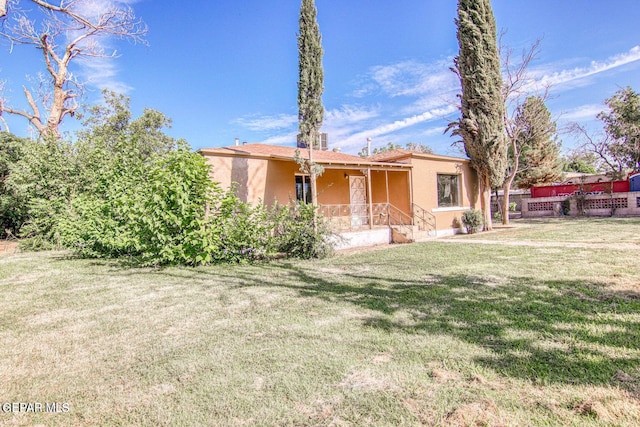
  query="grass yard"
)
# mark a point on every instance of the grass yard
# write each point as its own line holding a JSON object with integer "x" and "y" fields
{"x": 577, "y": 230}
{"x": 423, "y": 334}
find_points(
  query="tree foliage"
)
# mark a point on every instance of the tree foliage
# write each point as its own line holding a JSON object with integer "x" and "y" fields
{"x": 12, "y": 210}
{"x": 539, "y": 150}
{"x": 311, "y": 75}
{"x": 481, "y": 125}
{"x": 127, "y": 190}
{"x": 581, "y": 161}
{"x": 622, "y": 124}
{"x": 310, "y": 89}
{"x": 410, "y": 146}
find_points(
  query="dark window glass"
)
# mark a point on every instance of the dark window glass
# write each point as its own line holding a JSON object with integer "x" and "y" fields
{"x": 303, "y": 188}
{"x": 448, "y": 191}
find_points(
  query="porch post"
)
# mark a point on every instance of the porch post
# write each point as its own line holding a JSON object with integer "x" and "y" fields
{"x": 370, "y": 198}
{"x": 411, "y": 190}
{"x": 386, "y": 177}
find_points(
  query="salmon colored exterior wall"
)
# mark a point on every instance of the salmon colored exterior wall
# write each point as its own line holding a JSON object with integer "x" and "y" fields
{"x": 425, "y": 188}
{"x": 253, "y": 173}
{"x": 399, "y": 191}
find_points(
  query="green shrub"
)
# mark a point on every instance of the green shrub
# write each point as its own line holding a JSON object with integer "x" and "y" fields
{"x": 472, "y": 220}
{"x": 566, "y": 206}
{"x": 296, "y": 235}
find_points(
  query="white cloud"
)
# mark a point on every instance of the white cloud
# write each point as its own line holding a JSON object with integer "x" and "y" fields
{"x": 350, "y": 114}
{"x": 284, "y": 139}
{"x": 583, "y": 112}
{"x": 577, "y": 76}
{"x": 268, "y": 123}
{"x": 412, "y": 78}
{"x": 357, "y": 138}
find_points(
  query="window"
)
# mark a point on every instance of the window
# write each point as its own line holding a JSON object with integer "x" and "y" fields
{"x": 448, "y": 191}
{"x": 303, "y": 188}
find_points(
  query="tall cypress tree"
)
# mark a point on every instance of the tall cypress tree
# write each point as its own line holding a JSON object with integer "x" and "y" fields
{"x": 310, "y": 88}
{"x": 481, "y": 124}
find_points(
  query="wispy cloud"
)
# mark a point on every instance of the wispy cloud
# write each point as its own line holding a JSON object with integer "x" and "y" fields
{"x": 356, "y": 139}
{"x": 101, "y": 71}
{"x": 583, "y": 112}
{"x": 350, "y": 114}
{"x": 412, "y": 78}
{"x": 413, "y": 101}
{"x": 268, "y": 123}
{"x": 559, "y": 79}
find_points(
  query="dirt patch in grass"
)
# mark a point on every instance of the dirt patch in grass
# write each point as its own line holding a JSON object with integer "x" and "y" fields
{"x": 482, "y": 413}
{"x": 8, "y": 247}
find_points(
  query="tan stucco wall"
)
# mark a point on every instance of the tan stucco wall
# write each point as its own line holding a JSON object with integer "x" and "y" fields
{"x": 425, "y": 189}
{"x": 333, "y": 187}
{"x": 252, "y": 174}
{"x": 399, "y": 193}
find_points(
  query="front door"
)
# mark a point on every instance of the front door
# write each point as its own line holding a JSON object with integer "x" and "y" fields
{"x": 358, "y": 200}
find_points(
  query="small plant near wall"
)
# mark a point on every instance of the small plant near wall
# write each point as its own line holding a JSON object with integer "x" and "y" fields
{"x": 566, "y": 206}
{"x": 472, "y": 220}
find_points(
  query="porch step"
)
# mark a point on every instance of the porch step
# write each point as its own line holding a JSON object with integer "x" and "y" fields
{"x": 423, "y": 235}
{"x": 410, "y": 233}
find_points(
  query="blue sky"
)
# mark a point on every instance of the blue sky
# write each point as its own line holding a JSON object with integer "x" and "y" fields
{"x": 226, "y": 69}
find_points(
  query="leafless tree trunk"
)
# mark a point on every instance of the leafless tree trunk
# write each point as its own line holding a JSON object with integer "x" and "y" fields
{"x": 64, "y": 31}
{"x": 517, "y": 84}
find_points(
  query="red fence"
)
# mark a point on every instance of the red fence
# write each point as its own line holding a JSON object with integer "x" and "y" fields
{"x": 568, "y": 190}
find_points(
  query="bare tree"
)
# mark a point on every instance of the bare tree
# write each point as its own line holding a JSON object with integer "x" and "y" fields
{"x": 599, "y": 144}
{"x": 64, "y": 31}
{"x": 518, "y": 85}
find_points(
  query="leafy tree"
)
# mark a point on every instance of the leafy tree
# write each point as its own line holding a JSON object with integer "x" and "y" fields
{"x": 539, "y": 161}
{"x": 622, "y": 124}
{"x": 64, "y": 31}
{"x": 580, "y": 161}
{"x": 310, "y": 89}
{"x": 411, "y": 146}
{"x": 12, "y": 210}
{"x": 108, "y": 123}
{"x": 481, "y": 125}
{"x": 43, "y": 181}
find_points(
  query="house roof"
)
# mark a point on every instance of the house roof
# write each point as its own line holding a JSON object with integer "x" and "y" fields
{"x": 402, "y": 155}
{"x": 288, "y": 153}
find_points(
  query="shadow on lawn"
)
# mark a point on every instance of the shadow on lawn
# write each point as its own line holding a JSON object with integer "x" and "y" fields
{"x": 553, "y": 331}
{"x": 547, "y": 331}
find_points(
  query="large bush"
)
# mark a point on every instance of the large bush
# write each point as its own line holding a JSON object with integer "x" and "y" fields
{"x": 41, "y": 184}
{"x": 126, "y": 190}
{"x": 12, "y": 210}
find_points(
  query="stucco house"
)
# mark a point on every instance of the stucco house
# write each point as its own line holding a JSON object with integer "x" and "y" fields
{"x": 395, "y": 196}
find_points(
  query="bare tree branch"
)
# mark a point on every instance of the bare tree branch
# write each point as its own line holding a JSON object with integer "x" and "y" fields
{"x": 598, "y": 144}
{"x": 65, "y": 30}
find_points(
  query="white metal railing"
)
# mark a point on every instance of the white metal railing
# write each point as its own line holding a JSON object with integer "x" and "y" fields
{"x": 356, "y": 216}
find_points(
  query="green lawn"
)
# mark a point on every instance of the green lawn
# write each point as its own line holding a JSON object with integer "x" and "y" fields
{"x": 580, "y": 230}
{"x": 423, "y": 334}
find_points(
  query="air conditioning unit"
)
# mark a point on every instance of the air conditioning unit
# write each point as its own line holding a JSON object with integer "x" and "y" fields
{"x": 323, "y": 143}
